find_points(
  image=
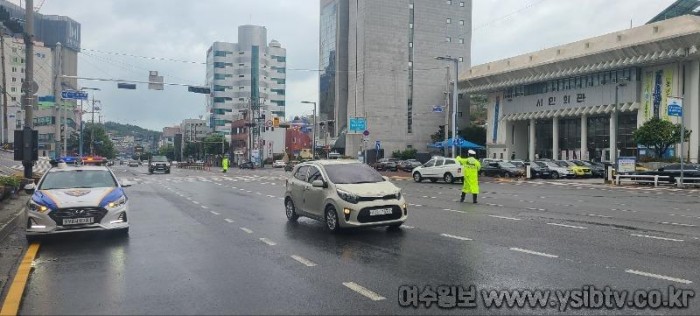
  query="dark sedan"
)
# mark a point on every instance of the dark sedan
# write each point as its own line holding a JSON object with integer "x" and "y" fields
{"x": 501, "y": 169}
{"x": 673, "y": 171}
{"x": 387, "y": 164}
{"x": 408, "y": 165}
{"x": 539, "y": 170}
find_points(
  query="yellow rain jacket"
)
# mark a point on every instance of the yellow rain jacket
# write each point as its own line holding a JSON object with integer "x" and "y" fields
{"x": 470, "y": 170}
{"x": 224, "y": 164}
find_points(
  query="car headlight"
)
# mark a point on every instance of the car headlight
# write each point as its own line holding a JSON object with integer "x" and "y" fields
{"x": 37, "y": 207}
{"x": 348, "y": 197}
{"x": 117, "y": 203}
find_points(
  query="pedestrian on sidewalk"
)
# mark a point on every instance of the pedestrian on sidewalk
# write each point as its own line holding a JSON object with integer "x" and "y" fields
{"x": 224, "y": 164}
{"x": 470, "y": 171}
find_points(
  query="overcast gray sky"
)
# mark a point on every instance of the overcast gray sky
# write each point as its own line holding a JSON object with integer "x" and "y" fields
{"x": 183, "y": 30}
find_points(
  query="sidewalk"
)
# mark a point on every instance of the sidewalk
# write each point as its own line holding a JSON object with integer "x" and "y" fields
{"x": 12, "y": 244}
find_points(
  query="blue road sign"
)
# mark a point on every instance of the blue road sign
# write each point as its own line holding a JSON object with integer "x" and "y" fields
{"x": 437, "y": 109}
{"x": 675, "y": 107}
{"x": 358, "y": 124}
{"x": 377, "y": 145}
{"x": 74, "y": 95}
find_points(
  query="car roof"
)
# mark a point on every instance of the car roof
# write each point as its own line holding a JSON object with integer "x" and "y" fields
{"x": 327, "y": 162}
{"x": 71, "y": 168}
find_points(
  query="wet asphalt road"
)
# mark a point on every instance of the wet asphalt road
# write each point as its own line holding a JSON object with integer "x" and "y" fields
{"x": 205, "y": 243}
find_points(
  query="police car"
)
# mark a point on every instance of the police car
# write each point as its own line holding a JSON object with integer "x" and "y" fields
{"x": 80, "y": 198}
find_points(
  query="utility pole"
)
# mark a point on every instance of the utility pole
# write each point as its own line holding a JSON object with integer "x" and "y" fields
{"x": 447, "y": 109}
{"x": 58, "y": 102}
{"x": 28, "y": 100}
{"x": 5, "y": 128}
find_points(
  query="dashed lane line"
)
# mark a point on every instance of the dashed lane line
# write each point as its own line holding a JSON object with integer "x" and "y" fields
{"x": 658, "y": 276}
{"x": 270, "y": 196}
{"x": 568, "y": 226}
{"x": 363, "y": 291}
{"x": 195, "y": 202}
{"x": 228, "y": 220}
{"x": 456, "y": 237}
{"x": 303, "y": 261}
{"x": 597, "y": 215}
{"x": 656, "y": 237}
{"x": 505, "y": 217}
{"x": 534, "y": 252}
{"x": 246, "y": 230}
{"x": 678, "y": 224}
{"x": 205, "y": 207}
{"x": 268, "y": 242}
{"x": 408, "y": 226}
{"x": 215, "y": 213}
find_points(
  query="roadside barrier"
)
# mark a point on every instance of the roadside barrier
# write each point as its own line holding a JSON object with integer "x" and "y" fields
{"x": 641, "y": 178}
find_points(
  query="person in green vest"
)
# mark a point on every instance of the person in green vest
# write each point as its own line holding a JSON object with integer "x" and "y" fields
{"x": 224, "y": 164}
{"x": 470, "y": 171}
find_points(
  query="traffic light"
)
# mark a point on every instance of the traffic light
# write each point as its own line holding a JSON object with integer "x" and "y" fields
{"x": 129, "y": 86}
{"x": 202, "y": 90}
{"x": 275, "y": 122}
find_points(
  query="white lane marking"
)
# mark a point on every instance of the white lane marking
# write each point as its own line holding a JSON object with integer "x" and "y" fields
{"x": 504, "y": 217}
{"x": 241, "y": 189}
{"x": 234, "y": 188}
{"x": 303, "y": 261}
{"x": 408, "y": 226}
{"x": 205, "y": 207}
{"x": 658, "y": 276}
{"x": 258, "y": 193}
{"x": 248, "y": 191}
{"x": 190, "y": 199}
{"x": 456, "y": 237}
{"x": 195, "y": 202}
{"x": 569, "y": 226}
{"x": 363, "y": 291}
{"x": 678, "y": 224}
{"x": 268, "y": 242}
{"x": 270, "y": 196}
{"x": 218, "y": 183}
{"x": 229, "y": 220}
{"x": 596, "y": 215}
{"x": 655, "y": 237}
{"x": 424, "y": 196}
{"x": 416, "y": 205}
{"x": 246, "y": 230}
{"x": 534, "y": 252}
{"x": 215, "y": 213}
{"x": 451, "y": 210}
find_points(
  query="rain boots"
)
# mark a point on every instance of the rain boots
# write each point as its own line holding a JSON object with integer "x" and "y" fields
{"x": 461, "y": 200}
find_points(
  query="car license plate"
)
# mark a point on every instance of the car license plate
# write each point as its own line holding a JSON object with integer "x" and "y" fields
{"x": 380, "y": 211}
{"x": 78, "y": 221}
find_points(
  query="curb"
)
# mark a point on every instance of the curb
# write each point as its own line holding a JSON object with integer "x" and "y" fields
{"x": 12, "y": 224}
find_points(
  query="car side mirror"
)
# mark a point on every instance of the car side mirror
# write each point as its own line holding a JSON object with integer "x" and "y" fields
{"x": 126, "y": 184}
{"x": 29, "y": 188}
{"x": 318, "y": 184}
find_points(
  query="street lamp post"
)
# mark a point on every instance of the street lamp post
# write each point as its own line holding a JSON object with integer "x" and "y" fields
{"x": 313, "y": 131}
{"x": 454, "y": 101}
{"x": 613, "y": 155}
{"x": 80, "y": 141}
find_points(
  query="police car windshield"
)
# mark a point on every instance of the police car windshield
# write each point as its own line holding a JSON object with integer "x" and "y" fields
{"x": 78, "y": 179}
{"x": 352, "y": 174}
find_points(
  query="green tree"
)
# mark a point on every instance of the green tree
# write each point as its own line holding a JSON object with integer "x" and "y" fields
{"x": 659, "y": 134}
{"x": 103, "y": 144}
{"x": 474, "y": 134}
{"x": 212, "y": 144}
{"x": 167, "y": 151}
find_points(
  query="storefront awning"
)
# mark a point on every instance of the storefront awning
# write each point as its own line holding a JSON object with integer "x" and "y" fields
{"x": 572, "y": 112}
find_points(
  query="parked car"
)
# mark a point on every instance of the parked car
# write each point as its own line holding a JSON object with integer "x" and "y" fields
{"x": 247, "y": 165}
{"x": 409, "y": 165}
{"x": 437, "y": 168}
{"x": 133, "y": 163}
{"x": 539, "y": 170}
{"x": 501, "y": 169}
{"x": 597, "y": 169}
{"x": 673, "y": 171}
{"x": 387, "y": 164}
{"x": 578, "y": 171}
{"x": 557, "y": 170}
{"x": 343, "y": 194}
{"x": 279, "y": 164}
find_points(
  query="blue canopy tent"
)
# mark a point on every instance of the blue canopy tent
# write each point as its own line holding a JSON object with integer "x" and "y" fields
{"x": 461, "y": 143}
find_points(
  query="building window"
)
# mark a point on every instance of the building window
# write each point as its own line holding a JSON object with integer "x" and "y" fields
{"x": 461, "y": 41}
{"x": 461, "y": 22}
{"x": 410, "y": 64}
{"x": 461, "y": 59}
{"x": 448, "y": 21}
{"x": 449, "y": 2}
{"x": 410, "y": 25}
{"x": 13, "y": 89}
{"x": 241, "y": 76}
{"x": 241, "y": 99}
{"x": 14, "y": 98}
{"x": 241, "y": 65}
{"x": 410, "y": 5}
{"x": 14, "y": 79}
{"x": 461, "y": 3}
{"x": 448, "y": 39}
{"x": 14, "y": 69}
{"x": 410, "y": 44}
{"x": 241, "y": 53}
{"x": 241, "y": 88}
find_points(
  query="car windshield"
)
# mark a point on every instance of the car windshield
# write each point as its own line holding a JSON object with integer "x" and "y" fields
{"x": 78, "y": 179}
{"x": 551, "y": 164}
{"x": 517, "y": 163}
{"x": 159, "y": 159}
{"x": 562, "y": 163}
{"x": 580, "y": 163}
{"x": 504, "y": 164}
{"x": 354, "y": 173}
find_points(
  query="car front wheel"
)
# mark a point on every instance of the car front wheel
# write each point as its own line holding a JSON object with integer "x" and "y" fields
{"x": 449, "y": 178}
{"x": 555, "y": 175}
{"x": 332, "y": 219}
{"x": 417, "y": 177}
{"x": 290, "y": 211}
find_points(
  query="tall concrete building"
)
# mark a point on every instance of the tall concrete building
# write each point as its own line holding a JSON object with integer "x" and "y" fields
{"x": 378, "y": 61}
{"x": 240, "y": 73}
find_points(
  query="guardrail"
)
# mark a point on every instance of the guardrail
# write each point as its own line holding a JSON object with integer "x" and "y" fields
{"x": 194, "y": 166}
{"x": 640, "y": 178}
{"x": 694, "y": 181}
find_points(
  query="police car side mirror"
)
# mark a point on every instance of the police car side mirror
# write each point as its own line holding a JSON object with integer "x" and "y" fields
{"x": 29, "y": 188}
{"x": 126, "y": 184}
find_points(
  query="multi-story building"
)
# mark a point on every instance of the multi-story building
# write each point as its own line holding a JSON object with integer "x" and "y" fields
{"x": 378, "y": 61}
{"x": 194, "y": 129}
{"x": 50, "y": 30}
{"x": 168, "y": 136}
{"x": 245, "y": 74}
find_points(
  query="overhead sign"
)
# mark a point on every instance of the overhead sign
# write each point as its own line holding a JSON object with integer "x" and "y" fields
{"x": 675, "y": 106}
{"x": 358, "y": 124}
{"x": 74, "y": 95}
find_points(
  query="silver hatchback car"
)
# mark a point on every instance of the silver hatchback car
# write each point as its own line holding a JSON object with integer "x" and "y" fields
{"x": 343, "y": 194}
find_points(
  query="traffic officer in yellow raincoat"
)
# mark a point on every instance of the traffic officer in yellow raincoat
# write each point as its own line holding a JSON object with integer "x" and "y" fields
{"x": 470, "y": 170}
{"x": 224, "y": 164}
